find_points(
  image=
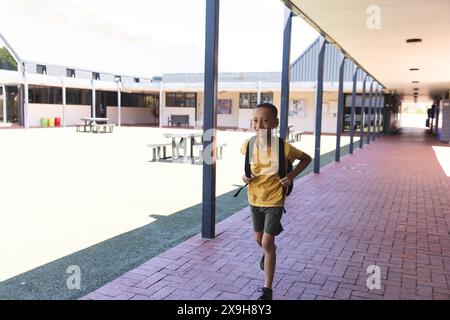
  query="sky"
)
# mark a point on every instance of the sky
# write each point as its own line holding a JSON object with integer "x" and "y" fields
{"x": 172, "y": 32}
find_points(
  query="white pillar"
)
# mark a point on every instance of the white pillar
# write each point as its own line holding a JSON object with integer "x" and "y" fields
{"x": 258, "y": 97}
{"x": 93, "y": 100}
{"x": 119, "y": 105}
{"x": 63, "y": 103}
{"x": 161, "y": 96}
{"x": 26, "y": 101}
{"x": 4, "y": 104}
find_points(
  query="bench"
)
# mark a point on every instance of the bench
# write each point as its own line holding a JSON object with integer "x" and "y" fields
{"x": 156, "y": 149}
{"x": 295, "y": 136}
{"x": 82, "y": 127}
{"x": 178, "y": 120}
{"x": 219, "y": 151}
{"x": 102, "y": 128}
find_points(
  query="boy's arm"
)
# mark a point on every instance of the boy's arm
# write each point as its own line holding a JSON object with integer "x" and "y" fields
{"x": 305, "y": 159}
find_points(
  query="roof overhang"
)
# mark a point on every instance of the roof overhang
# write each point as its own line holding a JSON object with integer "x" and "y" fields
{"x": 374, "y": 35}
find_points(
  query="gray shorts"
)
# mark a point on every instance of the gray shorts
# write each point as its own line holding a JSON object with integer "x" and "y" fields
{"x": 267, "y": 219}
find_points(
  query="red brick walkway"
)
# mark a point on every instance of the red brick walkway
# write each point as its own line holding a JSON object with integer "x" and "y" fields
{"x": 387, "y": 205}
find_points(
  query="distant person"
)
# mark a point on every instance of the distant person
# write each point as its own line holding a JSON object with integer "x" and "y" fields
{"x": 266, "y": 189}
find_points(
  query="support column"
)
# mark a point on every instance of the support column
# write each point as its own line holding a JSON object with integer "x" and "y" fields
{"x": 63, "y": 103}
{"x": 363, "y": 113}
{"x": 285, "y": 73}
{"x": 375, "y": 112}
{"x": 161, "y": 97}
{"x": 258, "y": 94}
{"x": 319, "y": 100}
{"x": 369, "y": 113}
{"x": 93, "y": 111}
{"x": 340, "y": 111}
{"x": 26, "y": 94}
{"x": 380, "y": 105}
{"x": 210, "y": 118}
{"x": 4, "y": 104}
{"x": 352, "y": 115}
{"x": 119, "y": 104}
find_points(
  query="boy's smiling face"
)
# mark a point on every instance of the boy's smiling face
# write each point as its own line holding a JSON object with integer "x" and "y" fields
{"x": 263, "y": 118}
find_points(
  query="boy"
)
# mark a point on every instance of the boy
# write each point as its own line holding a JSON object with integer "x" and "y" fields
{"x": 265, "y": 188}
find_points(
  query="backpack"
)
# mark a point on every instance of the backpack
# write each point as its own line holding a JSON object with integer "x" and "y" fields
{"x": 281, "y": 168}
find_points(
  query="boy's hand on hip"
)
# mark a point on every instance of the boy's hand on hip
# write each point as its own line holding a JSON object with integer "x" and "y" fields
{"x": 286, "y": 181}
{"x": 247, "y": 179}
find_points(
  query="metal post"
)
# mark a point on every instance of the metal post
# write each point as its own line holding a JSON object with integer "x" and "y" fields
{"x": 26, "y": 98}
{"x": 375, "y": 112}
{"x": 210, "y": 117}
{"x": 63, "y": 103}
{"x": 161, "y": 97}
{"x": 380, "y": 105}
{"x": 93, "y": 111}
{"x": 285, "y": 73}
{"x": 340, "y": 111}
{"x": 319, "y": 99}
{"x": 363, "y": 113}
{"x": 4, "y": 104}
{"x": 352, "y": 115}
{"x": 258, "y": 95}
{"x": 119, "y": 104}
{"x": 369, "y": 113}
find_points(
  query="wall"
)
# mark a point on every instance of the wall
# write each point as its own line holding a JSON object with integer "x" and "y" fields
{"x": 73, "y": 113}
{"x": 132, "y": 115}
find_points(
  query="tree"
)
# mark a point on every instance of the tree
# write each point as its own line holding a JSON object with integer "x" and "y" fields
{"x": 7, "y": 62}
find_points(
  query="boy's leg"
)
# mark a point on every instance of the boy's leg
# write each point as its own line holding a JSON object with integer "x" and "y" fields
{"x": 258, "y": 237}
{"x": 268, "y": 244}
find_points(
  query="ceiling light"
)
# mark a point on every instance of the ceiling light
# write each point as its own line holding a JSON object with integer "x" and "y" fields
{"x": 413, "y": 40}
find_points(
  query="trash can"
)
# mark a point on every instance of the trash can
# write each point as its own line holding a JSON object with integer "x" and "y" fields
{"x": 44, "y": 122}
{"x": 57, "y": 122}
{"x": 51, "y": 122}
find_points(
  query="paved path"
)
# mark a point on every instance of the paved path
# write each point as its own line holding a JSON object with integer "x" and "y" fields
{"x": 387, "y": 205}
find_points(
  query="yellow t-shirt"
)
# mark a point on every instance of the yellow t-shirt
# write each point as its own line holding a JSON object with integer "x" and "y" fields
{"x": 266, "y": 190}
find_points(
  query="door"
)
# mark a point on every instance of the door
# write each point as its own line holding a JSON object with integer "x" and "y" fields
{"x": 100, "y": 104}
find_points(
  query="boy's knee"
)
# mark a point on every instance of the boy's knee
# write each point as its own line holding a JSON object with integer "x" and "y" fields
{"x": 258, "y": 237}
{"x": 268, "y": 244}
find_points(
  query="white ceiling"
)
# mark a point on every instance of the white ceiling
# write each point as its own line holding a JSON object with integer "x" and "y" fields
{"x": 384, "y": 53}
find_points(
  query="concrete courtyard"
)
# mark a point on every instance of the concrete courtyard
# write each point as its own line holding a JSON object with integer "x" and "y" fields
{"x": 63, "y": 191}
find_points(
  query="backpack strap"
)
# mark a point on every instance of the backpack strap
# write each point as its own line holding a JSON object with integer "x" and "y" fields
{"x": 247, "y": 168}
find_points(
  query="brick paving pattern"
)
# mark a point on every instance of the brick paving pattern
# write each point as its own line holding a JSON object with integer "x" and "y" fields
{"x": 387, "y": 205}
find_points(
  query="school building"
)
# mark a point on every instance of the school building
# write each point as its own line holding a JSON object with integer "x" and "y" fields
{"x": 72, "y": 91}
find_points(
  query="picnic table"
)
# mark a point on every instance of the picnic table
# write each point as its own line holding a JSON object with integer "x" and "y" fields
{"x": 180, "y": 139}
{"x": 95, "y": 125}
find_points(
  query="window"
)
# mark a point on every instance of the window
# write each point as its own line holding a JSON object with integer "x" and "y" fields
{"x": 70, "y": 73}
{"x": 140, "y": 100}
{"x": 45, "y": 95}
{"x": 181, "y": 99}
{"x": 248, "y": 100}
{"x": 137, "y": 80}
{"x": 95, "y": 75}
{"x": 266, "y": 97}
{"x": 78, "y": 97}
{"x": 41, "y": 69}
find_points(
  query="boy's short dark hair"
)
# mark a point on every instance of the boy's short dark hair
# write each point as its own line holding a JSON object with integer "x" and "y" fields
{"x": 271, "y": 107}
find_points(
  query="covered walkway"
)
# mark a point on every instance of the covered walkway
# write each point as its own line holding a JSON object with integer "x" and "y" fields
{"x": 387, "y": 205}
